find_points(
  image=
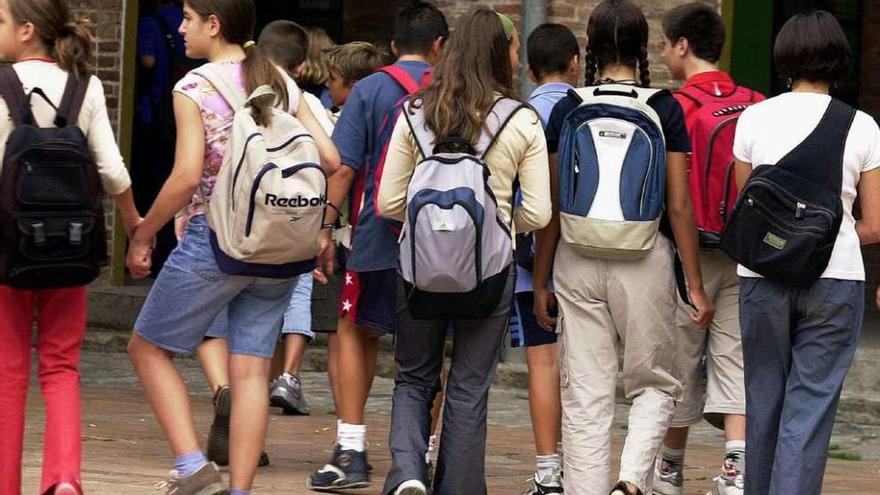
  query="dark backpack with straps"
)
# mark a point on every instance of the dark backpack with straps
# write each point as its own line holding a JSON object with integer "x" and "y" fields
{"x": 52, "y": 232}
{"x": 786, "y": 220}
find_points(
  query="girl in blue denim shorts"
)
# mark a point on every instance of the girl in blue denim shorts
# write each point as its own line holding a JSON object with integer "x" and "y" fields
{"x": 190, "y": 290}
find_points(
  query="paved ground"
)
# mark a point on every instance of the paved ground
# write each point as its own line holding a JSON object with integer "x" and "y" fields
{"x": 125, "y": 452}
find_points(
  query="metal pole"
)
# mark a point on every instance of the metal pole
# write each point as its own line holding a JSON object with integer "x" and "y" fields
{"x": 534, "y": 13}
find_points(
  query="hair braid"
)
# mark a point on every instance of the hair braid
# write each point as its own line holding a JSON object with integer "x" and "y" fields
{"x": 644, "y": 71}
{"x": 591, "y": 68}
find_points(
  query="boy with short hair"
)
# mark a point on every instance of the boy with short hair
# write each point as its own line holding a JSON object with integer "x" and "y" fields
{"x": 349, "y": 63}
{"x": 693, "y": 41}
{"x": 554, "y": 64}
{"x": 369, "y": 294}
{"x": 286, "y": 44}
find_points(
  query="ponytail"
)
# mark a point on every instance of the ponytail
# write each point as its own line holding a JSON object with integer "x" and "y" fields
{"x": 69, "y": 41}
{"x": 259, "y": 70}
{"x": 73, "y": 48}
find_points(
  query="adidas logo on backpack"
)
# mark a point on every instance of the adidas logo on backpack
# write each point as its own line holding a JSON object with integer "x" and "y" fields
{"x": 455, "y": 248}
{"x": 268, "y": 204}
{"x": 612, "y": 173}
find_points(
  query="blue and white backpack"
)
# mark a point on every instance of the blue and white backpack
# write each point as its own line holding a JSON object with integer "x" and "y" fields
{"x": 455, "y": 248}
{"x": 612, "y": 173}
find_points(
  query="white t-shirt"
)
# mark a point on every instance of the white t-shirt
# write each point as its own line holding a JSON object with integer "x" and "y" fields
{"x": 767, "y": 131}
{"x": 319, "y": 112}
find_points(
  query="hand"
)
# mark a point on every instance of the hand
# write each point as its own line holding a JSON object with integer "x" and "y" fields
{"x": 705, "y": 310}
{"x": 140, "y": 255}
{"x": 545, "y": 305}
{"x": 326, "y": 257}
{"x": 878, "y": 297}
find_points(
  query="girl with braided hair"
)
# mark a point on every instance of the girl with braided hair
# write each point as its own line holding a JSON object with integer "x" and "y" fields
{"x": 608, "y": 303}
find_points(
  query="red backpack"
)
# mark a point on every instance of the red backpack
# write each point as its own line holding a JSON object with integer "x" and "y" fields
{"x": 712, "y": 176}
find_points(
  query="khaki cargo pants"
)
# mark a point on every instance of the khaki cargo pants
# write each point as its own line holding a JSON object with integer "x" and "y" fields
{"x": 605, "y": 304}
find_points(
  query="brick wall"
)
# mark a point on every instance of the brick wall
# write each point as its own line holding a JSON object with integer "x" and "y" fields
{"x": 107, "y": 21}
{"x": 574, "y": 14}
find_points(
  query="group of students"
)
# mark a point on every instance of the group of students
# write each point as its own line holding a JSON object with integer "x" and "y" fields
{"x": 615, "y": 180}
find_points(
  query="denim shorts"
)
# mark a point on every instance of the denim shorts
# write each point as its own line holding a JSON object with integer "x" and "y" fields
{"x": 297, "y": 316}
{"x": 191, "y": 291}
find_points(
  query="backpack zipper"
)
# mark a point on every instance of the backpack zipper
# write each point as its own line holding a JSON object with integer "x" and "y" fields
{"x": 717, "y": 129}
{"x": 765, "y": 212}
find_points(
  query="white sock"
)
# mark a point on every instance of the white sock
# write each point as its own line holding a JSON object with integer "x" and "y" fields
{"x": 674, "y": 458}
{"x": 548, "y": 467}
{"x": 736, "y": 449}
{"x": 351, "y": 437}
{"x": 432, "y": 444}
{"x": 561, "y": 452}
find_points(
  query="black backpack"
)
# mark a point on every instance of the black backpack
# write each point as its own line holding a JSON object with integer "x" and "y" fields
{"x": 788, "y": 215}
{"x": 52, "y": 230}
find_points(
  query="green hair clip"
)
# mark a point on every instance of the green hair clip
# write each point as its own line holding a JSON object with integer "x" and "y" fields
{"x": 507, "y": 24}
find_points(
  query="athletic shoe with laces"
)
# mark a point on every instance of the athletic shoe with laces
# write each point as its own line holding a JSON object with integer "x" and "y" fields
{"x": 549, "y": 484}
{"x": 668, "y": 477}
{"x": 205, "y": 481}
{"x": 411, "y": 487}
{"x": 731, "y": 481}
{"x": 218, "y": 436}
{"x": 286, "y": 392}
{"x": 347, "y": 469}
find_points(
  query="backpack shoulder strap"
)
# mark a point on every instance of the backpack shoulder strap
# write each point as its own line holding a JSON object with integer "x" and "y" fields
{"x": 71, "y": 102}
{"x": 496, "y": 120}
{"x": 687, "y": 94}
{"x": 234, "y": 96}
{"x": 415, "y": 118}
{"x": 402, "y": 77}
{"x": 12, "y": 92}
{"x": 824, "y": 146}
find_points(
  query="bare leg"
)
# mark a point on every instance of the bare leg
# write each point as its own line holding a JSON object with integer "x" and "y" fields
{"x": 213, "y": 354}
{"x": 676, "y": 438}
{"x": 357, "y": 349}
{"x": 734, "y": 427}
{"x": 294, "y": 349}
{"x": 250, "y": 417}
{"x": 166, "y": 394}
{"x": 544, "y": 397}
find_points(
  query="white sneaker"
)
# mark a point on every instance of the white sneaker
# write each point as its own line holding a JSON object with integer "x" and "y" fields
{"x": 668, "y": 478}
{"x": 411, "y": 487}
{"x": 726, "y": 485}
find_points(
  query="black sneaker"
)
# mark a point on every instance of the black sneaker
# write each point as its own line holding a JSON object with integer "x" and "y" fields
{"x": 347, "y": 469}
{"x": 218, "y": 436}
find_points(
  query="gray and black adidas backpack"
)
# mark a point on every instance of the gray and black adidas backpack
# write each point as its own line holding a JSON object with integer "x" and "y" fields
{"x": 455, "y": 249}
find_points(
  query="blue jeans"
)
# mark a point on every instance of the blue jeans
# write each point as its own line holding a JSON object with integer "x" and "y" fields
{"x": 797, "y": 348}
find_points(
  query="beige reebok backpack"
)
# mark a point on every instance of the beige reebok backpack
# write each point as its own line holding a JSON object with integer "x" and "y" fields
{"x": 267, "y": 207}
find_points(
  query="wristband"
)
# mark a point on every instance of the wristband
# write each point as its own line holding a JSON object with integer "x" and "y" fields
{"x": 327, "y": 226}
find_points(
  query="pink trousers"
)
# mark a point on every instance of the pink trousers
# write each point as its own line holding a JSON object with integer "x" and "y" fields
{"x": 61, "y": 324}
